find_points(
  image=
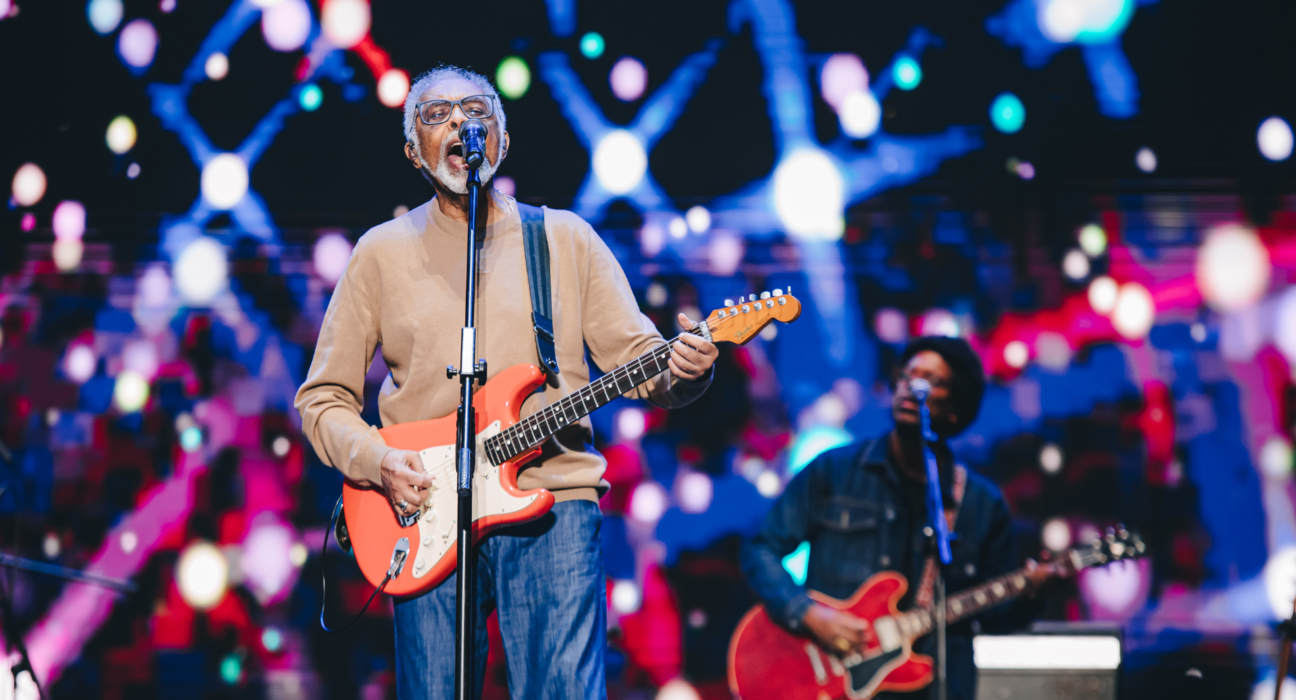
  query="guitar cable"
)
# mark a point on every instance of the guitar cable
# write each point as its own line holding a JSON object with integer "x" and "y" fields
{"x": 398, "y": 563}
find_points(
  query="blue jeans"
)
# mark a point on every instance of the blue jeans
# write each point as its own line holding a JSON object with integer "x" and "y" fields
{"x": 546, "y": 579}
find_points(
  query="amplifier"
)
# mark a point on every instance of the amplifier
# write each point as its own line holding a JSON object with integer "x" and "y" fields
{"x": 1060, "y": 662}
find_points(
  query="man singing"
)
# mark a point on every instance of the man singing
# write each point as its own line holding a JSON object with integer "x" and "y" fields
{"x": 863, "y": 509}
{"x": 403, "y": 289}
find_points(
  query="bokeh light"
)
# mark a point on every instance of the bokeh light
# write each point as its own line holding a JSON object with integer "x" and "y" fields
{"x": 940, "y": 322}
{"x": 694, "y": 491}
{"x": 79, "y": 363}
{"x": 132, "y": 171}
{"x": 628, "y": 78}
{"x": 1050, "y": 458}
{"x": 69, "y": 220}
{"x": 1276, "y": 457}
{"x": 141, "y": 357}
{"x": 393, "y": 88}
{"x": 648, "y": 502}
{"x": 891, "y": 326}
{"x": 1233, "y": 268}
{"x": 1275, "y": 139}
{"x": 678, "y": 228}
{"x": 1093, "y": 240}
{"x": 224, "y": 180}
{"x": 128, "y": 541}
{"x": 1075, "y": 265}
{"x": 272, "y": 639}
{"x": 202, "y": 575}
{"x": 1115, "y": 591}
{"x": 130, "y": 392}
{"x": 310, "y": 97}
{"x": 625, "y": 596}
{"x": 1146, "y": 160}
{"x": 620, "y": 161}
{"x": 265, "y": 564}
{"x": 812, "y": 442}
{"x": 860, "y": 114}
{"x": 1016, "y": 354}
{"x": 677, "y": 689}
{"x": 1056, "y": 535}
{"x": 725, "y": 254}
{"x": 631, "y": 423}
{"x": 591, "y": 45}
{"x": 1135, "y": 312}
{"x": 191, "y": 438}
{"x": 906, "y": 72}
{"x": 345, "y": 22}
{"x": 698, "y": 219}
{"x": 201, "y": 272}
{"x": 137, "y": 44}
{"x": 121, "y": 134}
{"x": 286, "y": 25}
{"x": 1007, "y": 113}
{"x": 1085, "y": 21}
{"x": 231, "y": 669}
{"x": 842, "y": 74}
{"x": 280, "y": 446}
{"x": 28, "y": 184}
{"x": 67, "y": 253}
{"x": 28, "y": 222}
{"x": 505, "y": 185}
{"x": 1280, "y": 581}
{"x": 513, "y": 77}
{"x": 104, "y": 15}
{"x": 768, "y": 484}
{"x": 809, "y": 195}
{"x": 1102, "y": 294}
{"x": 217, "y": 66}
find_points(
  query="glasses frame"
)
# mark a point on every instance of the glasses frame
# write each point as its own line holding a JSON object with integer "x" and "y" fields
{"x": 489, "y": 99}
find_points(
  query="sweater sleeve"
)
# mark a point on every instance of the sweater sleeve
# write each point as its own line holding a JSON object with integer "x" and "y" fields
{"x": 617, "y": 332}
{"x": 331, "y": 398}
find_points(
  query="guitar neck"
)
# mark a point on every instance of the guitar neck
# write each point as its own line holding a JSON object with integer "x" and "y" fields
{"x": 543, "y": 424}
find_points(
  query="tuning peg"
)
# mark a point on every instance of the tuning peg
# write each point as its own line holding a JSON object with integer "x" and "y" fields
{"x": 778, "y": 292}
{"x": 728, "y": 303}
{"x": 765, "y": 295}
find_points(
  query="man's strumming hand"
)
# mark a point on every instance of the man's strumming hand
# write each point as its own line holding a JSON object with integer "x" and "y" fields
{"x": 837, "y": 631}
{"x": 403, "y": 479}
{"x": 692, "y": 355}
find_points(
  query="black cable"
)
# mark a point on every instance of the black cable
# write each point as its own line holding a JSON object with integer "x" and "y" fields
{"x": 337, "y": 512}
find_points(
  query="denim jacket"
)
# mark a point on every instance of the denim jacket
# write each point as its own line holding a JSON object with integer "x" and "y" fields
{"x": 852, "y": 506}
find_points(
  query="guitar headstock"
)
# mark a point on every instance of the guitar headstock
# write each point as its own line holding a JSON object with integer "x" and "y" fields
{"x": 740, "y": 322}
{"x": 1118, "y": 544}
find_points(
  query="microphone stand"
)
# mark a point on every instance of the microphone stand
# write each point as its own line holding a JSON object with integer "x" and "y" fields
{"x": 466, "y": 451}
{"x": 939, "y": 538}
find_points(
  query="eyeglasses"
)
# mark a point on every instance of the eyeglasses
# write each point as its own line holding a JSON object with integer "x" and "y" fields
{"x": 433, "y": 112}
{"x": 936, "y": 382}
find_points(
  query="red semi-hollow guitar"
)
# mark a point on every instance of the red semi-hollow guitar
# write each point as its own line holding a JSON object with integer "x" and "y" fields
{"x": 504, "y": 444}
{"x": 767, "y": 661}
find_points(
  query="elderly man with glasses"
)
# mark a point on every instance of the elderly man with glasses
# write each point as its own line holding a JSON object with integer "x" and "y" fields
{"x": 403, "y": 289}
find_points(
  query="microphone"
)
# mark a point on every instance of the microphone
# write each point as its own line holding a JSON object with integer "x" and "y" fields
{"x": 473, "y": 135}
{"x": 920, "y": 388}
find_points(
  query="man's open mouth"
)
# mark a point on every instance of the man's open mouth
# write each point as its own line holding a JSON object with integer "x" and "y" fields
{"x": 457, "y": 150}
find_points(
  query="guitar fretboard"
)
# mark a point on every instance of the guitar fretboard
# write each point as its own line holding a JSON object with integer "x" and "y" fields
{"x": 543, "y": 424}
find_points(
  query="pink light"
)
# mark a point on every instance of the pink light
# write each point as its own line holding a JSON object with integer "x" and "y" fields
{"x": 141, "y": 357}
{"x": 891, "y": 326}
{"x": 1115, "y": 591}
{"x": 506, "y": 185}
{"x": 28, "y": 221}
{"x": 695, "y": 491}
{"x": 726, "y": 253}
{"x": 648, "y": 502}
{"x": 631, "y": 423}
{"x": 842, "y": 74}
{"x": 69, "y": 220}
{"x": 286, "y": 25}
{"x": 80, "y": 362}
{"x": 629, "y": 77}
{"x": 266, "y": 561}
{"x": 137, "y": 43}
{"x": 332, "y": 253}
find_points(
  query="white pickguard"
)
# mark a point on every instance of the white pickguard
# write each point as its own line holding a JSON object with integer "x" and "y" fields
{"x": 437, "y": 523}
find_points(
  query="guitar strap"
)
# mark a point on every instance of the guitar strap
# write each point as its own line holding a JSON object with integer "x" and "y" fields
{"x": 924, "y": 596}
{"x": 536, "y": 244}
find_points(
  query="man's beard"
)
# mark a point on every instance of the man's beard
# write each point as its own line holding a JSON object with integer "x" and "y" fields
{"x": 456, "y": 181}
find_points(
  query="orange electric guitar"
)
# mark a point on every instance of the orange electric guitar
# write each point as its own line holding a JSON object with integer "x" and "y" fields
{"x": 767, "y": 662}
{"x": 427, "y": 556}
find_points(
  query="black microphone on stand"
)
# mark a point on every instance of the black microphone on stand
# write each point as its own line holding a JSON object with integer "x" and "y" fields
{"x": 473, "y": 136}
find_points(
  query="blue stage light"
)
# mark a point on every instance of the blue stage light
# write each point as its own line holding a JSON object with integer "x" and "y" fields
{"x": 591, "y": 45}
{"x": 907, "y": 73}
{"x": 1008, "y": 113}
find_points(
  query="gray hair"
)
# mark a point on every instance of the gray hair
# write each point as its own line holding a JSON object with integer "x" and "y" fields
{"x": 442, "y": 73}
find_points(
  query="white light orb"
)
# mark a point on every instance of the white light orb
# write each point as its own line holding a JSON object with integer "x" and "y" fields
{"x": 657, "y": 295}
{"x": 1275, "y": 139}
{"x": 51, "y": 545}
{"x": 393, "y": 87}
{"x": 1050, "y": 458}
{"x": 131, "y": 392}
{"x": 79, "y": 363}
{"x": 678, "y": 227}
{"x": 129, "y": 541}
{"x": 132, "y": 171}
{"x": 1016, "y": 354}
{"x": 280, "y": 446}
{"x": 648, "y": 502}
{"x": 332, "y": 253}
{"x": 217, "y": 66}
{"x": 1053, "y": 351}
{"x": 286, "y": 25}
{"x": 224, "y": 180}
{"x": 631, "y": 423}
{"x": 104, "y": 15}
{"x": 1093, "y": 240}
{"x": 1276, "y": 457}
{"x": 1056, "y": 535}
{"x": 652, "y": 239}
{"x": 768, "y": 484}
{"x": 698, "y": 219}
{"x": 677, "y": 689}
{"x": 202, "y": 271}
{"x": 1233, "y": 268}
{"x": 842, "y": 74}
{"x": 154, "y": 287}
{"x": 629, "y": 77}
{"x": 1264, "y": 690}
{"x": 141, "y": 357}
{"x": 1115, "y": 591}
{"x": 1075, "y": 265}
{"x": 298, "y": 554}
{"x": 939, "y": 322}
{"x": 1280, "y": 581}
{"x": 1146, "y": 160}
{"x": 1102, "y": 294}
{"x": 346, "y": 22}
{"x": 263, "y": 4}
{"x": 1061, "y": 21}
{"x": 67, "y": 253}
{"x": 505, "y": 185}
{"x": 28, "y": 184}
{"x": 769, "y": 333}
{"x": 1135, "y": 311}
{"x": 137, "y": 43}
{"x": 860, "y": 114}
{"x": 620, "y": 161}
{"x": 725, "y": 254}
{"x": 69, "y": 220}
{"x": 891, "y": 326}
{"x": 266, "y": 561}
{"x": 202, "y": 574}
{"x": 810, "y": 195}
{"x": 625, "y": 596}
{"x": 121, "y": 135}
{"x": 695, "y": 490}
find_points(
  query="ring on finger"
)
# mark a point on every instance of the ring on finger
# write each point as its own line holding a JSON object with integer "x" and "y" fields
{"x": 843, "y": 644}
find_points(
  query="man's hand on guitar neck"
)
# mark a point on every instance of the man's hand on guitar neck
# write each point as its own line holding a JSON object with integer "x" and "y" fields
{"x": 837, "y": 631}
{"x": 404, "y": 480}
{"x": 691, "y": 355}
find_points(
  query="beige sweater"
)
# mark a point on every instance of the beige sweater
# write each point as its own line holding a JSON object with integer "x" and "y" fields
{"x": 403, "y": 290}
